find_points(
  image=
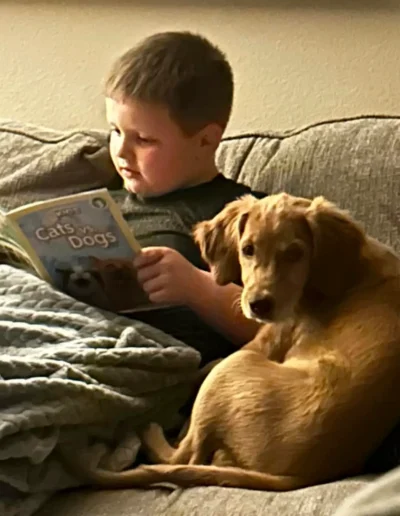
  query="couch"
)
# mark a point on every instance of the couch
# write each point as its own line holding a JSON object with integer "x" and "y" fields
{"x": 353, "y": 162}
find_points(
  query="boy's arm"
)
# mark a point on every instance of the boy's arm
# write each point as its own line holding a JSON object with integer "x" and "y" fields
{"x": 219, "y": 307}
{"x": 168, "y": 278}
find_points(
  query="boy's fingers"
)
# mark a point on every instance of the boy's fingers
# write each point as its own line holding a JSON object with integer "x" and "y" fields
{"x": 153, "y": 286}
{"x": 148, "y": 256}
{"x": 147, "y": 273}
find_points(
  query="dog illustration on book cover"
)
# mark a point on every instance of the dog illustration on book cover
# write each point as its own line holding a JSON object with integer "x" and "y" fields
{"x": 109, "y": 283}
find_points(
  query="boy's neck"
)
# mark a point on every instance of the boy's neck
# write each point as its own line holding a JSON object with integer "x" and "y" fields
{"x": 205, "y": 176}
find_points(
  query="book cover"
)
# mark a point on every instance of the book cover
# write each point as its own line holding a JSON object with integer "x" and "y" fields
{"x": 84, "y": 247}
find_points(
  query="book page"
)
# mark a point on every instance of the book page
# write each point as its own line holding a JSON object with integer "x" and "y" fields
{"x": 86, "y": 249}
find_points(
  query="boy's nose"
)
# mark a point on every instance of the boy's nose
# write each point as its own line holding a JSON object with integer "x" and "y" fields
{"x": 123, "y": 151}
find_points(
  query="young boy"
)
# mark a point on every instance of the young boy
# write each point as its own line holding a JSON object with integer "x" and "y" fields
{"x": 168, "y": 101}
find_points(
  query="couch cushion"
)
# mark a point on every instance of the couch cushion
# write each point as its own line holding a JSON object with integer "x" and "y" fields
{"x": 353, "y": 162}
{"x": 379, "y": 498}
{"x": 38, "y": 163}
{"x": 203, "y": 501}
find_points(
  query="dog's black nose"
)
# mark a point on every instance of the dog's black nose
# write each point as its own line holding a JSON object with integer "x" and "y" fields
{"x": 263, "y": 307}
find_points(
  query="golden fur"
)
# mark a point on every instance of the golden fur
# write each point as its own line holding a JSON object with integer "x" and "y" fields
{"x": 317, "y": 390}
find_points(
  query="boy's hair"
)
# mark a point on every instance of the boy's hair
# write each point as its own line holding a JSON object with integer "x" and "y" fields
{"x": 181, "y": 71}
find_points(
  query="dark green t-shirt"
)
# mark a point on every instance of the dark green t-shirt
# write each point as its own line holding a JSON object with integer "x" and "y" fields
{"x": 167, "y": 221}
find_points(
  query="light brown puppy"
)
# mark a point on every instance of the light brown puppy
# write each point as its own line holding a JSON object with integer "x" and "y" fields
{"x": 312, "y": 396}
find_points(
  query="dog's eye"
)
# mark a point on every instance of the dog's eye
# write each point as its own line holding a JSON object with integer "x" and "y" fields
{"x": 248, "y": 250}
{"x": 293, "y": 253}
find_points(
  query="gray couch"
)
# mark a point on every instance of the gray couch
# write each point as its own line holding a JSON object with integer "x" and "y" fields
{"x": 353, "y": 162}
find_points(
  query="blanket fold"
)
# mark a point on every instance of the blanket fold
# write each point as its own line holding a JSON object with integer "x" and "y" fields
{"x": 71, "y": 373}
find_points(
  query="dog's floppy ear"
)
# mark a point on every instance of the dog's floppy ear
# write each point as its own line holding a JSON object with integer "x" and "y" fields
{"x": 218, "y": 240}
{"x": 337, "y": 242}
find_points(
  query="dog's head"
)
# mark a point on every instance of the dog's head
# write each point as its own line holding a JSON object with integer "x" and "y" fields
{"x": 281, "y": 247}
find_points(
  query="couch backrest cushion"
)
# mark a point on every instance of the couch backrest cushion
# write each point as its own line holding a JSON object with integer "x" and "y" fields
{"x": 354, "y": 163}
{"x": 38, "y": 163}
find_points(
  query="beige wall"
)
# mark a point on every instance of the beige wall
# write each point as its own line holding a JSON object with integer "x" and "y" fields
{"x": 294, "y": 63}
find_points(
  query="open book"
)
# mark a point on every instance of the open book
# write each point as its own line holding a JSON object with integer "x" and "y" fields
{"x": 83, "y": 246}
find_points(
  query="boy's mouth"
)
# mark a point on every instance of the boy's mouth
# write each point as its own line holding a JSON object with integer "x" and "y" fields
{"x": 128, "y": 173}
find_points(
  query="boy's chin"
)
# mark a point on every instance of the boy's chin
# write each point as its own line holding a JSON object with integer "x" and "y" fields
{"x": 144, "y": 189}
{"x": 138, "y": 188}
{"x": 132, "y": 186}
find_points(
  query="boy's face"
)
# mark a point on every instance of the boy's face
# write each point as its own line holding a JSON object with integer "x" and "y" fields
{"x": 150, "y": 151}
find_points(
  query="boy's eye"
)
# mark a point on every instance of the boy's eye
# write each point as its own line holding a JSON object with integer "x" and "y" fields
{"x": 142, "y": 140}
{"x": 134, "y": 138}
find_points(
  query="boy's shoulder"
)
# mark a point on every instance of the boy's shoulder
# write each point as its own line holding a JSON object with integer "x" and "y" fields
{"x": 207, "y": 199}
{"x": 230, "y": 189}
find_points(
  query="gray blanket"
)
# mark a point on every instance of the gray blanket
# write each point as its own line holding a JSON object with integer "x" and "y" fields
{"x": 73, "y": 375}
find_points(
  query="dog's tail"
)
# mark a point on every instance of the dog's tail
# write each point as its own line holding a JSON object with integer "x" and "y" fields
{"x": 189, "y": 476}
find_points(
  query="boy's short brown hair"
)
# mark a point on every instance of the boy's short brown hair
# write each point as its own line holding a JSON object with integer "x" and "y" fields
{"x": 179, "y": 70}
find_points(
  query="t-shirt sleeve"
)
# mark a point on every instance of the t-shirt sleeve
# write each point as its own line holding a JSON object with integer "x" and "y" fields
{"x": 216, "y": 196}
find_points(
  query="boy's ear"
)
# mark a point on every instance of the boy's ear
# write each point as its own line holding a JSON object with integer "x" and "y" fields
{"x": 218, "y": 240}
{"x": 210, "y": 136}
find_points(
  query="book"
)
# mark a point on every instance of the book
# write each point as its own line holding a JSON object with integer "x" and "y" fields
{"x": 82, "y": 245}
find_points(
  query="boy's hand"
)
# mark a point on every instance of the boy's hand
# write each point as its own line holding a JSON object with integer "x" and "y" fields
{"x": 166, "y": 276}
